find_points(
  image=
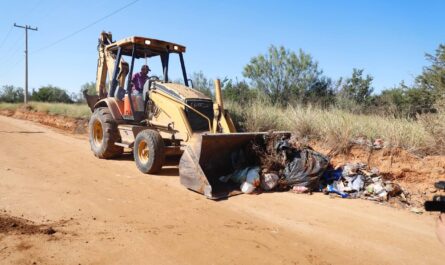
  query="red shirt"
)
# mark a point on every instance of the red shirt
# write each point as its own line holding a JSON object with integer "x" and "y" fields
{"x": 138, "y": 81}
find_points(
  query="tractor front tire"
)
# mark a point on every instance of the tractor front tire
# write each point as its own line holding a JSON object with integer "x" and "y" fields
{"x": 103, "y": 133}
{"x": 149, "y": 152}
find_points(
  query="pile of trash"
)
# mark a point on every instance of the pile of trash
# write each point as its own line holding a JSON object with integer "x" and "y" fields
{"x": 354, "y": 180}
{"x": 280, "y": 163}
{"x": 277, "y": 164}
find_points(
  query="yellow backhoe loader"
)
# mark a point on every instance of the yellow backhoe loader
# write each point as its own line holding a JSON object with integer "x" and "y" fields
{"x": 166, "y": 119}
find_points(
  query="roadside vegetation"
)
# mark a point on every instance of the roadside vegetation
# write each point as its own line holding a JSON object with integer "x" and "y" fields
{"x": 70, "y": 110}
{"x": 338, "y": 129}
{"x": 286, "y": 90}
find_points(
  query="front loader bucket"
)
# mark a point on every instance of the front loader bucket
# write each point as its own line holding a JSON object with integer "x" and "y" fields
{"x": 208, "y": 157}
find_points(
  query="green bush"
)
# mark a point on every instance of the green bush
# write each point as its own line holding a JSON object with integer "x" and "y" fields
{"x": 51, "y": 94}
{"x": 11, "y": 94}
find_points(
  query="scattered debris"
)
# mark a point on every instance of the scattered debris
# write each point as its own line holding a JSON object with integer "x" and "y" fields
{"x": 280, "y": 164}
{"x": 354, "y": 180}
{"x": 416, "y": 210}
{"x": 300, "y": 189}
{"x": 269, "y": 181}
{"x": 49, "y": 231}
{"x": 378, "y": 144}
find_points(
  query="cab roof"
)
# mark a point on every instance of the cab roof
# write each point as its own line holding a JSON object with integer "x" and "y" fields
{"x": 145, "y": 47}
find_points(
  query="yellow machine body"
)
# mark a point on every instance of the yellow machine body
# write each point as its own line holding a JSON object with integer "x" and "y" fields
{"x": 189, "y": 122}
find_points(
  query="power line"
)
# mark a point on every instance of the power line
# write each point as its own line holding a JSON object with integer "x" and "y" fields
{"x": 6, "y": 37}
{"x": 86, "y": 27}
{"x": 8, "y": 54}
{"x": 27, "y": 14}
{"x": 13, "y": 66}
{"x": 35, "y": 7}
{"x": 12, "y": 55}
{"x": 15, "y": 48}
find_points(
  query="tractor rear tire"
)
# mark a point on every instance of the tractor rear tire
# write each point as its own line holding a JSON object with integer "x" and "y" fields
{"x": 103, "y": 133}
{"x": 149, "y": 152}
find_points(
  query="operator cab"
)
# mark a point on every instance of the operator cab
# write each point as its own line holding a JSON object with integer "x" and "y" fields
{"x": 143, "y": 48}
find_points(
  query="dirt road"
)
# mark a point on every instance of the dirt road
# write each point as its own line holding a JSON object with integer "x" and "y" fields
{"x": 107, "y": 212}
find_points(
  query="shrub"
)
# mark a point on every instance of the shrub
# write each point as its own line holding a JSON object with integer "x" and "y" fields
{"x": 51, "y": 94}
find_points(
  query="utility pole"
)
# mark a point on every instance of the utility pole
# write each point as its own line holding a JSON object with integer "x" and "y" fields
{"x": 26, "y": 27}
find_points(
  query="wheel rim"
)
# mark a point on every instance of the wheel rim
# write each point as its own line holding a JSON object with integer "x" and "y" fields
{"x": 143, "y": 151}
{"x": 98, "y": 133}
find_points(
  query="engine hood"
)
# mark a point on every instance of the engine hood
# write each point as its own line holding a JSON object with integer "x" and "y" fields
{"x": 179, "y": 91}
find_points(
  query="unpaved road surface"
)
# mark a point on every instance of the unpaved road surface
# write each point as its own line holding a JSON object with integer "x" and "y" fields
{"x": 107, "y": 212}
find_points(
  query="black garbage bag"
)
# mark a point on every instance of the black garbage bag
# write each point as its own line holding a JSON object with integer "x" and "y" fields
{"x": 304, "y": 168}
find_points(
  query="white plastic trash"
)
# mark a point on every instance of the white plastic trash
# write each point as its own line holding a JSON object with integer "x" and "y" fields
{"x": 299, "y": 189}
{"x": 247, "y": 187}
{"x": 378, "y": 188}
{"x": 383, "y": 194}
{"x": 253, "y": 176}
{"x": 269, "y": 181}
{"x": 358, "y": 183}
{"x": 339, "y": 186}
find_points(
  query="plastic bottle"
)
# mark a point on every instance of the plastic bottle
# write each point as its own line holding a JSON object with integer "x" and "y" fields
{"x": 247, "y": 187}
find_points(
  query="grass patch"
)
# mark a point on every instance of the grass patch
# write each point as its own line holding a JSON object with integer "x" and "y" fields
{"x": 9, "y": 106}
{"x": 338, "y": 128}
{"x": 69, "y": 110}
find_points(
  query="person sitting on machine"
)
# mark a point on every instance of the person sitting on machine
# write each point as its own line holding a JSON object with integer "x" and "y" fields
{"x": 140, "y": 78}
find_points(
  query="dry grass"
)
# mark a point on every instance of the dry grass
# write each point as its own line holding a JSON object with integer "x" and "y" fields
{"x": 69, "y": 110}
{"x": 260, "y": 116}
{"x": 9, "y": 106}
{"x": 338, "y": 128}
{"x": 334, "y": 127}
{"x": 435, "y": 125}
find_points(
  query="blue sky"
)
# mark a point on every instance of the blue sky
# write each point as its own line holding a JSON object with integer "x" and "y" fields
{"x": 386, "y": 38}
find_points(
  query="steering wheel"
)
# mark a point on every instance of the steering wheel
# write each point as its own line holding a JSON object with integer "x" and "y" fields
{"x": 154, "y": 78}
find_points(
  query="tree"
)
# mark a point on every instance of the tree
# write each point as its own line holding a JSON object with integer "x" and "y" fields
{"x": 51, "y": 93}
{"x": 12, "y": 94}
{"x": 202, "y": 83}
{"x": 90, "y": 87}
{"x": 320, "y": 93}
{"x": 238, "y": 91}
{"x": 423, "y": 96}
{"x": 357, "y": 88}
{"x": 393, "y": 102}
{"x": 282, "y": 74}
{"x": 433, "y": 76}
{"x": 429, "y": 86}
{"x": 404, "y": 101}
{"x": 420, "y": 100}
